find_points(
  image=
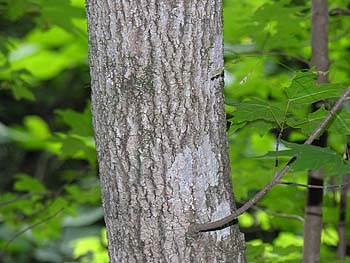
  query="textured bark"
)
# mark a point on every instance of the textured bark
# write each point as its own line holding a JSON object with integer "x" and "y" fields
{"x": 159, "y": 122}
{"x": 313, "y": 209}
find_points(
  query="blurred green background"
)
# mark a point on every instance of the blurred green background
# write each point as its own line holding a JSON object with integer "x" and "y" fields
{"x": 50, "y": 206}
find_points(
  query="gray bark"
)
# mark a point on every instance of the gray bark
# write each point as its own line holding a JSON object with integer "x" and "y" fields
{"x": 159, "y": 124}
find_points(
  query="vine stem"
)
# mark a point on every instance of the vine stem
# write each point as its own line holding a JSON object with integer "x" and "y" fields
{"x": 225, "y": 222}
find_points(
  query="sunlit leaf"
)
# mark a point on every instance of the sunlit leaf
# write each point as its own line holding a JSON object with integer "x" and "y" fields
{"x": 52, "y": 12}
{"x": 246, "y": 220}
{"x": 90, "y": 245}
{"x": 329, "y": 236}
{"x": 26, "y": 183}
{"x": 34, "y": 135}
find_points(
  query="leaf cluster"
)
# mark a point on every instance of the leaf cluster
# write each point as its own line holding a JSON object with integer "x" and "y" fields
{"x": 271, "y": 96}
{"x": 50, "y": 196}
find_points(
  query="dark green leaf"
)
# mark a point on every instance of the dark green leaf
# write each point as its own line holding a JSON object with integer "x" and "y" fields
{"x": 80, "y": 123}
{"x": 257, "y": 109}
{"x": 304, "y": 90}
{"x": 22, "y": 92}
{"x": 311, "y": 157}
{"x": 340, "y": 122}
{"x": 310, "y": 122}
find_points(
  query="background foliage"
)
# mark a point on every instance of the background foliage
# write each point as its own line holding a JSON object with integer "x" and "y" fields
{"x": 50, "y": 200}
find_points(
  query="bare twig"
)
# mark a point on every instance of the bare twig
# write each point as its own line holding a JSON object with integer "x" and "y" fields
{"x": 195, "y": 228}
{"x": 282, "y": 54}
{"x": 327, "y": 187}
{"x": 21, "y": 197}
{"x": 28, "y": 228}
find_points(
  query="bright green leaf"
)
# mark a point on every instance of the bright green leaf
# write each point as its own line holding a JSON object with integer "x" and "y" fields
{"x": 26, "y": 183}
{"x": 330, "y": 236}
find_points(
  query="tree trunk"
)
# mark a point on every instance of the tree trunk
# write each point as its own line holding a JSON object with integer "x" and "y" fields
{"x": 313, "y": 209}
{"x": 342, "y": 243}
{"x": 159, "y": 121}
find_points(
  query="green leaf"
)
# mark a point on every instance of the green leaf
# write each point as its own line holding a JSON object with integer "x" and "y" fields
{"x": 340, "y": 122}
{"x": 310, "y": 157}
{"x": 29, "y": 184}
{"x": 53, "y": 11}
{"x": 61, "y": 49}
{"x": 83, "y": 195}
{"x": 76, "y": 147}
{"x": 304, "y": 90}
{"x": 310, "y": 122}
{"x": 259, "y": 126}
{"x": 257, "y": 109}
{"x": 22, "y": 92}
{"x": 51, "y": 228}
{"x": 270, "y": 25}
{"x": 80, "y": 123}
{"x": 234, "y": 127}
{"x": 90, "y": 245}
{"x": 329, "y": 236}
{"x": 34, "y": 135}
{"x": 15, "y": 9}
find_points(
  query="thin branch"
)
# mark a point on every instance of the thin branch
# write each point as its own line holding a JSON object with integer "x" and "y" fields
{"x": 28, "y": 228}
{"x": 327, "y": 187}
{"x": 328, "y": 117}
{"x": 275, "y": 53}
{"x": 282, "y": 54}
{"x": 51, "y": 195}
{"x": 196, "y": 228}
{"x": 22, "y": 197}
